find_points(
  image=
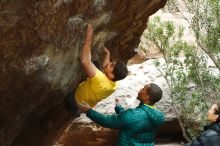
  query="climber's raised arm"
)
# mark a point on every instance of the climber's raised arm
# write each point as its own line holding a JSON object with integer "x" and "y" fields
{"x": 86, "y": 56}
{"x": 107, "y": 57}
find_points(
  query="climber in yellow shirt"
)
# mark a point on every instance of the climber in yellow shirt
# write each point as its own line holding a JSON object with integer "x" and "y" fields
{"x": 99, "y": 85}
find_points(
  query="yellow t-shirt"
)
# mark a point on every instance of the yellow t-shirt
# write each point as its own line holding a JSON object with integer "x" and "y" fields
{"x": 95, "y": 89}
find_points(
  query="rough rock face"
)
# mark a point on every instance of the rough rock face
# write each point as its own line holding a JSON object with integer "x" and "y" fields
{"x": 39, "y": 46}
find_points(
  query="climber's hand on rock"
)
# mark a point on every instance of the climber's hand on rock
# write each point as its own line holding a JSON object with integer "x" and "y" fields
{"x": 89, "y": 33}
{"x": 84, "y": 107}
{"x": 106, "y": 50}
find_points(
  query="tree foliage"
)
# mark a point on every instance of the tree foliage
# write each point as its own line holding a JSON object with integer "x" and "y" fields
{"x": 194, "y": 84}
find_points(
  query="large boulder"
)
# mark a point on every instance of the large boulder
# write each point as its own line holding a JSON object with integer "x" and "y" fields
{"x": 40, "y": 41}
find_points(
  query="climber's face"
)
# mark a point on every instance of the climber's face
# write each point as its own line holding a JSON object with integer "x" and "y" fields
{"x": 108, "y": 70}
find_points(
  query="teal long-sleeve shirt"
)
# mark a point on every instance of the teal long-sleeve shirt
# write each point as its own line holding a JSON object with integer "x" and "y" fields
{"x": 137, "y": 126}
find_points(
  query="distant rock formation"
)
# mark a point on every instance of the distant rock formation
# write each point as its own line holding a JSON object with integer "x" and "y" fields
{"x": 39, "y": 45}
